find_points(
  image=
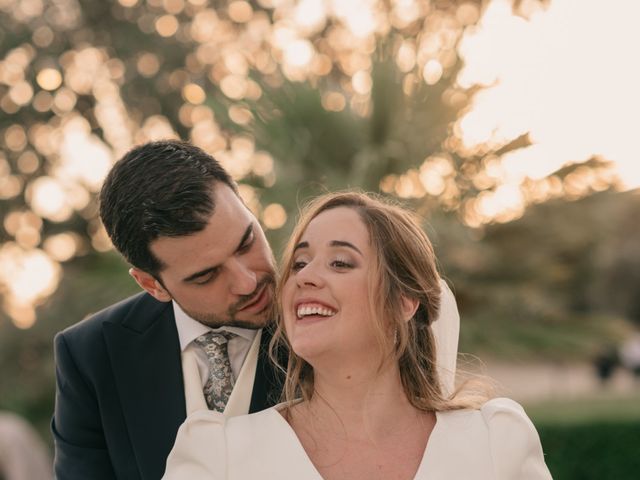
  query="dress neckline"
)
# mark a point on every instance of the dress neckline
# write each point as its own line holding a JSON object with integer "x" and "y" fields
{"x": 422, "y": 466}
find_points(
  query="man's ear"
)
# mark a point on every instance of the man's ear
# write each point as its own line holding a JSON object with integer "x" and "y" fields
{"x": 409, "y": 307}
{"x": 152, "y": 286}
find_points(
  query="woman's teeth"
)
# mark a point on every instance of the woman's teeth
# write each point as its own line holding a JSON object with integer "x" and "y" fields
{"x": 304, "y": 311}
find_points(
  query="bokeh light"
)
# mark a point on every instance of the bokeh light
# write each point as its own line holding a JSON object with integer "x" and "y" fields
{"x": 573, "y": 92}
{"x": 167, "y": 25}
{"x": 71, "y": 103}
{"x": 28, "y": 276}
{"x": 62, "y": 246}
{"x": 274, "y": 216}
{"x": 49, "y": 78}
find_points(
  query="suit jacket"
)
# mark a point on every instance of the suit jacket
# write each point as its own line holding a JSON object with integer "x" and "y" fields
{"x": 120, "y": 391}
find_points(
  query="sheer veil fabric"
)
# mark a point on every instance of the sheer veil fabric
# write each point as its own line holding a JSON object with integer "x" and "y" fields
{"x": 446, "y": 330}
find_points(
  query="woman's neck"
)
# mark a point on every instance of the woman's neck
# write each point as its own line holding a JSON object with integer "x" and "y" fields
{"x": 359, "y": 423}
{"x": 363, "y": 402}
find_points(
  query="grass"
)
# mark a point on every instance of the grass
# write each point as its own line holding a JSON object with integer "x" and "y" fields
{"x": 602, "y": 406}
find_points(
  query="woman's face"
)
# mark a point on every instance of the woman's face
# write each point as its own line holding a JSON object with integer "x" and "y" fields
{"x": 325, "y": 301}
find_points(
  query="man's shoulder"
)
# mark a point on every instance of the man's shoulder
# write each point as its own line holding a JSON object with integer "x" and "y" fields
{"x": 141, "y": 304}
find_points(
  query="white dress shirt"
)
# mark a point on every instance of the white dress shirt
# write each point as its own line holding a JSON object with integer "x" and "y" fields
{"x": 190, "y": 329}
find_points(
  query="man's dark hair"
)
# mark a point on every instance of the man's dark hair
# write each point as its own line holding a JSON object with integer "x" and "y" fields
{"x": 159, "y": 189}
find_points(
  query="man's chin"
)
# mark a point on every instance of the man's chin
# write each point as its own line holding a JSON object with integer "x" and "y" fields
{"x": 250, "y": 325}
{"x": 233, "y": 318}
{"x": 216, "y": 322}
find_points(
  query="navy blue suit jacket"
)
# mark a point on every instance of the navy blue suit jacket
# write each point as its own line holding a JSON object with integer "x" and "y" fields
{"x": 120, "y": 393}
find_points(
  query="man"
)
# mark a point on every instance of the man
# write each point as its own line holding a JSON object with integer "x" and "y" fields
{"x": 125, "y": 376}
{"x": 204, "y": 263}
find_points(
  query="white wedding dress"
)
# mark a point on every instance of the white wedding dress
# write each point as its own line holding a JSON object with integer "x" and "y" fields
{"x": 497, "y": 442}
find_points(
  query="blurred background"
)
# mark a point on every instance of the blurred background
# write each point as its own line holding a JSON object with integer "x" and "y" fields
{"x": 511, "y": 126}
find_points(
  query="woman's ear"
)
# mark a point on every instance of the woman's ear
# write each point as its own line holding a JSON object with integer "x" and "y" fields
{"x": 409, "y": 307}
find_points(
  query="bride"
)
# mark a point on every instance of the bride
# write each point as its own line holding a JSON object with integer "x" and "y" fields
{"x": 358, "y": 294}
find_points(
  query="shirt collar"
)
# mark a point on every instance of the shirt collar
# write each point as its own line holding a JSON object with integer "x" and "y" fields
{"x": 190, "y": 329}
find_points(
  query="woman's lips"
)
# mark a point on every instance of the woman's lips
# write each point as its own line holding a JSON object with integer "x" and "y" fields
{"x": 312, "y": 308}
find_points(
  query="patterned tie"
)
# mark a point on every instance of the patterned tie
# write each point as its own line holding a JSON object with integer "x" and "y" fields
{"x": 220, "y": 382}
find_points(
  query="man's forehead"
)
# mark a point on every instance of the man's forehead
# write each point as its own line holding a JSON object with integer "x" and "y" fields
{"x": 211, "y": 245}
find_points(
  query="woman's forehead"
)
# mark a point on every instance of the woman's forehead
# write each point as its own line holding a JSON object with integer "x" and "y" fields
{"x": 337, "y": 222}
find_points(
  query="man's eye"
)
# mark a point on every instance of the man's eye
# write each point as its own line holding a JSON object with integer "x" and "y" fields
{"x": 206, "y": 278}
{"x": 203, "y": 281}
{"x": 247, "y": 244}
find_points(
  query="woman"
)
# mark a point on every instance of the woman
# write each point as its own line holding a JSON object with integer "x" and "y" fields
{"x": 358, "y": 292}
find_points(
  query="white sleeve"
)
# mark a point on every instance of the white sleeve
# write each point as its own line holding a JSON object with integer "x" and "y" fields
{"x": 446, "y": 330}
{"x": 514, "y": 442}
{"x": 200, "y": 451}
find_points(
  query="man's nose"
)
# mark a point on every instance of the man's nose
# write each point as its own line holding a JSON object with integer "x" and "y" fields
{"x": 243, "y": 279}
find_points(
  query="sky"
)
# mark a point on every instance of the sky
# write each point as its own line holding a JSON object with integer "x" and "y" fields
{"x": 569, "y": 74}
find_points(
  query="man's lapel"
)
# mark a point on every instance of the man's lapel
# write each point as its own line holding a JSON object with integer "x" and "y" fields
{"x": 145, "y": 357}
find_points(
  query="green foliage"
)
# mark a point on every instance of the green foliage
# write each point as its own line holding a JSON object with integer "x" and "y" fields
{"x": 590, "y": 438}
{"x": 27, "y": 371}
{"x": 592, "y": 450}
{"x": 604, "y": 406}
{"x": 562, "y": 281}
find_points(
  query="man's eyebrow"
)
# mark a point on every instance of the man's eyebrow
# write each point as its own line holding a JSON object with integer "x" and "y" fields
{"x": 209, "y": 270}
{"x": 201, "y": 273}
{"x": 332, "y": 243}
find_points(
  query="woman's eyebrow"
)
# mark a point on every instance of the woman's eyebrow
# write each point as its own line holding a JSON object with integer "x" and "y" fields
{"x": 332, "y": 243}
{"x": 342, "y": 243}
{"x": 301, "y": 245}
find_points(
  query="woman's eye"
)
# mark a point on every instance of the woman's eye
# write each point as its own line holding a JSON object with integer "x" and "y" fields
{"x": 298, "y": 265}
{"x": 341, "y": 264}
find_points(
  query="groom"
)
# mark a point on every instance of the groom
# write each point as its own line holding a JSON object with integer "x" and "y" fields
{"x": 125, "y": 375}
{"x": 204, "y": 264}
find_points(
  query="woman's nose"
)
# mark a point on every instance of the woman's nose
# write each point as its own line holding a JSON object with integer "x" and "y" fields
{"x": 309, "y": 276}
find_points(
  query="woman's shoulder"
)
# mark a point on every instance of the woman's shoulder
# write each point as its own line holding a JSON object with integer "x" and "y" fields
{"x": 199, "y": 451}
{"x": 502, "y": 408}
{"x": 215, "y": 419}
{"x": 505, "y": 418}
{"x": 514, "y": 442}
{"x": 499, "y": 417}
{"x": 491, "y": 413}
{"x": 508, "y": 435}
{"x": 207, "y": 439}
{"x": 253, "y": 421}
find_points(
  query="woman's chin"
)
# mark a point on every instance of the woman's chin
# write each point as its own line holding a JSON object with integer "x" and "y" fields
{"x": 308, "y": 348}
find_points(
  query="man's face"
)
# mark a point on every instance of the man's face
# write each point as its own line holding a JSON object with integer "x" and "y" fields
{"x": 222, "y": 275}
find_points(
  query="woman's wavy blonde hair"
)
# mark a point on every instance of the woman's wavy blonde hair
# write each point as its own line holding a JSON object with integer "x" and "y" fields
{"x": 404, "y": 266}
